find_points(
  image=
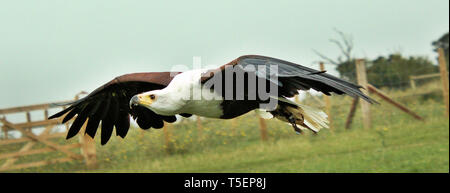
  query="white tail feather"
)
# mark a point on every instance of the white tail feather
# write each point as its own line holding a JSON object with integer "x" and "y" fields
{"x": 314, "y": 118}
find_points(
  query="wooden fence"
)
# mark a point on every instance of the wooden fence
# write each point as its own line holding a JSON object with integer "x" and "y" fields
{"x": 87, "y": 146}
{"x": 413, "y": 79}
{"x": 362, "y": 80}
{"x": 326, "y": 103}
{"x": 29, "y": 139}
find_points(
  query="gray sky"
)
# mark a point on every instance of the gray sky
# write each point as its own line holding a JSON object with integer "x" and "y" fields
{"x": 51, "y": 50}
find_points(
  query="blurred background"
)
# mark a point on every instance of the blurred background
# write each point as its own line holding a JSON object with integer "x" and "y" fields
{"x": 50, "y": 51}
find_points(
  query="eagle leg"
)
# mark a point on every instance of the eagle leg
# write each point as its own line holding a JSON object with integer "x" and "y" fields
{"x": 292, "y": 120}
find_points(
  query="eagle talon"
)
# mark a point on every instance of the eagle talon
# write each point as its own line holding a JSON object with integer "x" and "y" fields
{"x": 294, "y": 125}
{"x": 296, "y": 129}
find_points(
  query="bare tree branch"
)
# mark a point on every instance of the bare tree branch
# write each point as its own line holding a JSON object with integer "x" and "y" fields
{"x": 345, "y": 45}
{"x": 329, "y": 60}
{"x": 348, "y": 41}
{"x": 343, "y": 50}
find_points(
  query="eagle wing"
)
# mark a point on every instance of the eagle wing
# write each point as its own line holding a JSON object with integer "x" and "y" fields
{"x": 292, "y": 77}
{"x": 109, "y": 104}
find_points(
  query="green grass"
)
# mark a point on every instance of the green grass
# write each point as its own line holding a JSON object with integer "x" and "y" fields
{"x": 420, "y": 147}
{"x": 397, "y": 143}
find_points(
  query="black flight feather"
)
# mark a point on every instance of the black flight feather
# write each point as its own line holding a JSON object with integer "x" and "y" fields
{"x": 70, "y": 115}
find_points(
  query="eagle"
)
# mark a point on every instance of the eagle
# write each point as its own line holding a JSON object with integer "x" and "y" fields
{"x": 250, "y": 82}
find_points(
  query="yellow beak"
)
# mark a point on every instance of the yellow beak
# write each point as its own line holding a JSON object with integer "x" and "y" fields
{"x": 140, "y": 100}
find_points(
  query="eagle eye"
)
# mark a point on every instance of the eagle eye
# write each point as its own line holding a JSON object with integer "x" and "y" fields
{"x": 152, "y": 96}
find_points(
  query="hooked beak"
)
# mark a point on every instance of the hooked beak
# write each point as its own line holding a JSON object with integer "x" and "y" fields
{"x": 139, "y": 99}
{"x": 134, "y": 101}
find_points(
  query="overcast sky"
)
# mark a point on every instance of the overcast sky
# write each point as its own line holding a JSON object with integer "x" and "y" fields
{"x": 51, "y": 50}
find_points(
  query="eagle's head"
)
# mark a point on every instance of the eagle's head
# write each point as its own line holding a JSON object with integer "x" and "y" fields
{"x": 159, "y": 101}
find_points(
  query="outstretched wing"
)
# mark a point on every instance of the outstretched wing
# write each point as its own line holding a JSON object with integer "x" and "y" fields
{"x": 109, "y": 104}
{"x": 292, "y": 77}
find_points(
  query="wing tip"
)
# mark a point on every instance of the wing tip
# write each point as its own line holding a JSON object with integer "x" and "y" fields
{"x": 369, "y": 100}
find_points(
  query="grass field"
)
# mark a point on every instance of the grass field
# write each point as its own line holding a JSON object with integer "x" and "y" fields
{"x": 397, "y": 143}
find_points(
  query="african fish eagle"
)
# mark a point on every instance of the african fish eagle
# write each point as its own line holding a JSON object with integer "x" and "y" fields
{"x": 153, "y": 98}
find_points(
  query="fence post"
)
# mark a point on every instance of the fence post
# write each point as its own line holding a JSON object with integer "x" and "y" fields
{"x": 412, "y": 82}
{"x": 351, "y": 114}
{"x": 46, "y": 114}
{"x": 87, "y": 148}
{"x": 327, "y": 101}
{"x": 362, "y": 80}
{"x": 28, "y": 119}
{"x": 233, "y": 126}
{"x": 444, "y": 79}
{"x": 166, "y": 131}
{"x": 263, "y": 128}
{"x": 5, "y": 130}
{"x": 199, "y": 127}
